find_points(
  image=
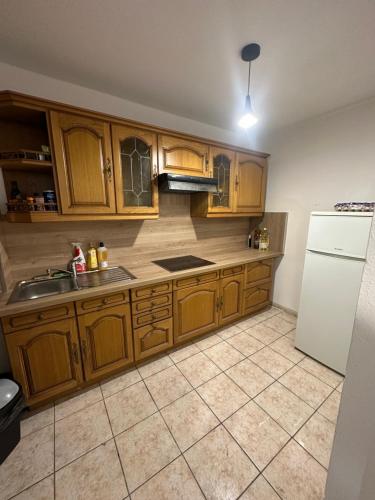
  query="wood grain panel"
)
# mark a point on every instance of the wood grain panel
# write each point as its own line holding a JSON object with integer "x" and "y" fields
{"x": 179, "y": 156}
{"x": 38, "y": 317}
{"x": 257, "y": 297}
{"x": 231, "y": 291}
{"x": 83, "y": 306}
{"x": 152, "y": 339}
{"x": 258, "y": 271}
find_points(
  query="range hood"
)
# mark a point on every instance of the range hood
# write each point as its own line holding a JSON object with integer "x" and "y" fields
{"x": 174, "y": 183}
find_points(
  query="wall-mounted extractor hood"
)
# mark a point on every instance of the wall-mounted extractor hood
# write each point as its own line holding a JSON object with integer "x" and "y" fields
{"x": 174, "y": 183}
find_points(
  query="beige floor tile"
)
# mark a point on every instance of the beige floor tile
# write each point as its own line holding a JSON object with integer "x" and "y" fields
{"x": 145, "y": 449}
{"x": 155, "y": 366}
{"x": 257, "y": 434}
{"x": 44, "y": 490}
{"x": 95, "y": 476}
{"x": 119, "y": 383}
{"x": 80, "y": 432}
{"x": 263, "y": 333}
{"x": 316, "y": 436}
{"x": 321, "y": 372}
{"x": 229, "y": 331}
{"x": 330, "y": 407}
{"x": 189, "y": 419}
{"x": 223, "y": 396}
{"x": 285, "y": 346}
{"x": 35, "y": 420}
{"x": 279, "y": 324}
{"x": 175, "y": 482}
{"x": 167, "y": 386}
{"x": 287, "y": 409}
{"x": 247, "y": 323}
{"x": 291, "y": 335}
{"x": 260, "y": 490}
{"x": 249, "y": 377}
{"x": 340, "y": 386}
{"x": 129, "y": 406}
{"x": 290, "y": 318}
{"x": 30, "y": 461}
{"x": 272, "y": 362}
{"x": 208, "y": 341}
{"x": 75, "y": 403}
{"x": 183, "y": 352}
{"x": 245, "y": 343}
{"x": 295, "y": 475}
{"x": 198, "y": 369}
{"x": 221, "y": 468}
{"x": 224, "y": 355}
{"x": 312, "y": 390}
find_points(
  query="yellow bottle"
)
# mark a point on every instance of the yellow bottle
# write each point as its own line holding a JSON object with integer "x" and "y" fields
{"x": 92, "y": 258}
{"x": 102, "y": 253}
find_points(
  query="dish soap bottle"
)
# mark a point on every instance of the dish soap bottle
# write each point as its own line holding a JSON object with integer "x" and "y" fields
{"x": 92, "y": 258}
{"x": 102, "y": 256}
{"x": 264, "y": 241}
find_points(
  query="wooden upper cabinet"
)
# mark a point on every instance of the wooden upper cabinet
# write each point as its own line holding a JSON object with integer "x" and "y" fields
{"x": 182, "y": 156}
{"x": 46, "y": 359}
{"x": 222, "y": 166}
{"x": 135, "y": 164}
{"x": 106, "y": 341}
{"x": 250, "y": 183}
{"x": 84, "y": 170}
{"x": 195, "y": 310}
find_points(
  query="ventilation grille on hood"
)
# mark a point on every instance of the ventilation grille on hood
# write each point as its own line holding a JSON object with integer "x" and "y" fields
{"x": 174, "y": 183}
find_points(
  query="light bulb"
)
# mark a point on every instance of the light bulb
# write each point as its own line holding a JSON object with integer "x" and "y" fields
{"x": 248, "y": 119}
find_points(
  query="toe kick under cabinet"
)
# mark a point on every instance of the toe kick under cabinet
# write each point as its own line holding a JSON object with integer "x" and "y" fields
{"x": 56, "y": 350}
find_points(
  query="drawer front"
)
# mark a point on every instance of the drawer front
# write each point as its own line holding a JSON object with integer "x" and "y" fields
{"x": 257, "y": 296}
{"x": 151, "y": 291}
{"x": 258, "y": 271}
{"x": 150, "y": 317}
{"x": 230, "y": 271}
{"x": 144, "y": 306}
{"x": 35, "y": 318}
{"x": 195, "y": 280}
{"x": 154, "y": 338}
{"x": 97, "y": 303}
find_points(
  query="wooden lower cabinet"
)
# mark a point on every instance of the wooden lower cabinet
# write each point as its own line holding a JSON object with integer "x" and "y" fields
{"x": 153, "y": 338}
{"x": 196, "y": 310}
{"x": 46, "y": 359}
{"x": 231, "y": 299}
{"x": 260, "y": 270}
{"x": 106, "y": 341}
{"x": 257, "y": 297}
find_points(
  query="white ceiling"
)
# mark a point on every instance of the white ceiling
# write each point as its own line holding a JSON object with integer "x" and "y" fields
{"x": 182, "y": 56}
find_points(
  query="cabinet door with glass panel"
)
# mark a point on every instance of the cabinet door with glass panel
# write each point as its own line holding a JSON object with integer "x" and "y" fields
{"x": 222, "y": 166}
{"x": 135, "y": 163}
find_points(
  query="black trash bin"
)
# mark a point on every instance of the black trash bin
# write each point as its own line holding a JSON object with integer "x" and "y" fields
{"x": 11, "y": 405}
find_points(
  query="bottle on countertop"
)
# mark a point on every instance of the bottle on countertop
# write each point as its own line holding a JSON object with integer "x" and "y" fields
{"x": 92, "y": 258}
{"x": 79, "y": 258}
{"x": 15, "y": 193}
{"x": 264, "y": 241}
{"x": 256, "y": 238}
{"x": 249, "y": 240}
{"x": 102, "y": 252}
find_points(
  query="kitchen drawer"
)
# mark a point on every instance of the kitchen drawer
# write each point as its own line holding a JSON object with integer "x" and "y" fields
{"x": 154, "y": 338}
{"x": 151, "y": 291}
{"x": 144, "y": 306}
{"x": 154, "y": 315}
{"x": 97, "y": 303}
{"x": 256, "y": 297}
{"x": 258, "y": 271}
{"x": 230, "y": 271}
{"x": 36, "y": 318}
{"x": 195, "y": 280}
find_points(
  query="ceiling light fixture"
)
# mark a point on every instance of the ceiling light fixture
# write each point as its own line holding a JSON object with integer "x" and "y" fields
{"x": 249, "y": 53}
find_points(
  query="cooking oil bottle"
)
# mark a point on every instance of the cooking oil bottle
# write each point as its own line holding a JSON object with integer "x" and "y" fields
{"x": 264, "y": 241}
{"x": 92, "y": 258}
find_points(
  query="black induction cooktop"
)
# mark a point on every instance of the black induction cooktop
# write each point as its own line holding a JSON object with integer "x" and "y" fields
{"x": 181, "y": 263}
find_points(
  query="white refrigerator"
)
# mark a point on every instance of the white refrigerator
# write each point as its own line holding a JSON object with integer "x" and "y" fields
{"x": 335, "y": 257}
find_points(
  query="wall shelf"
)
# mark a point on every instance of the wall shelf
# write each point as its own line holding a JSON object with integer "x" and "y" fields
{"x": 19, "y": 163}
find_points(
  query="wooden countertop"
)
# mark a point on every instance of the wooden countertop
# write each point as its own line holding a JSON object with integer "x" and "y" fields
{"x": 147, "y": 273}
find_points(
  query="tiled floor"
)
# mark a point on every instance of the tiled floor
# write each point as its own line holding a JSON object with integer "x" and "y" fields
{"x": 237, "y": 414}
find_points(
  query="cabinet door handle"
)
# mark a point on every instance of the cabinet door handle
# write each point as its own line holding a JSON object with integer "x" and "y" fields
{"x": 75, "y": 353}
{"x": 155, "y": 171}
{"x": 84, "y": 349}
{"x": 217, "y": 304}
{"x": 236, "y": 183}
{"x": 206, "y": 164}
{"x": 108, "y": 170}
{"x": 221, "y": 302}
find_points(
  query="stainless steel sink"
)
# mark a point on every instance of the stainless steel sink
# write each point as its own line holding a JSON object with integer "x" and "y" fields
{"x": 34, "y": 289}
{"x": 42, "y": 286}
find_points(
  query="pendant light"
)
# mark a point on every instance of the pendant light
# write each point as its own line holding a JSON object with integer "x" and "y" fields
{"x": 248, "y": 54}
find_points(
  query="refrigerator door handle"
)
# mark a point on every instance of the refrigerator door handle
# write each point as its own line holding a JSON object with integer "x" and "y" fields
{"x": 339, "y": 256}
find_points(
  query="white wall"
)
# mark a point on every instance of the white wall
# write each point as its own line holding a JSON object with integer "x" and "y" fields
{"x": 313, "y": 165}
